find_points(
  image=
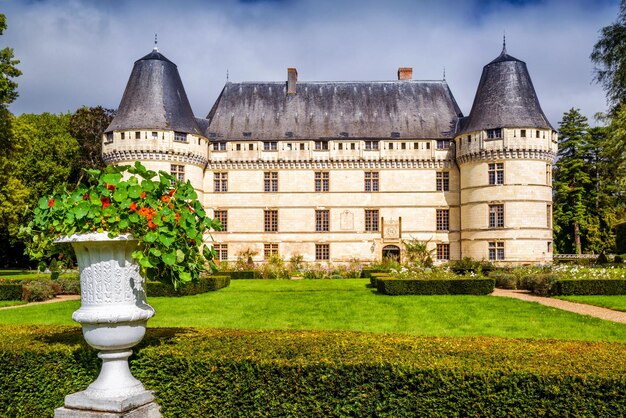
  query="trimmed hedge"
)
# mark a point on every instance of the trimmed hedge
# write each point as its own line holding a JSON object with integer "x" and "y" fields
{"x": 203, "y": 285}
{"x": 206, "y": 373}
{"x": 588, "y": 287}
{"x": 478, "y": 286}
{"x": 238, "y": 275}
{"x": 366, "y": 273}
{"x": 374, "y": 276}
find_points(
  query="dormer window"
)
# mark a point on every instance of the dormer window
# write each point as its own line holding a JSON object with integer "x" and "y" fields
{"x": 494, "y": 133}
{"x": 180, "y": 137}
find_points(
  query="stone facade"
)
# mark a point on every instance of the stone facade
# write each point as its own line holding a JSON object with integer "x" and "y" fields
{"x": 343, "y": 171}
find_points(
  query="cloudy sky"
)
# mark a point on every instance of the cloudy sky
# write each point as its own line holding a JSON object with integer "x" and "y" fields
{"x": 81, "y": 52}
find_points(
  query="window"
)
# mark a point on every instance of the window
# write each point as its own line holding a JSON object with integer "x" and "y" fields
{"x": 352, "y": 145}
{"x": 549, "y": 174}
{"x": 220, "y": 182}
{"x": 221, "y": 251}
{"x": 443, "y": 219}
{"x": 391, "y": 145}
{"x": 122, "y": 135}
{"x": 222, "y": 216}
{"x": 302, "y": 146}
{"x": 321, "y": 145}
{"x": 371, "y": 181}
{"x": 403, "y": 145}
{"x": 522, "y": 133}
{"x": 219, "y": 146}
{"x": 496, "y": 173}
{"x": 537, "y": 134}
{"x": 180, "y": 137}
{"x": 271, "y": 220}
{"x": 270, "y": 146}
{"x": 443, "y": 181}
{"x": 496, "y": 251}
{"x": 371, "y": 145}
{"x": 270, "y": 181}
{"x": 250, "y": 147}
{"x": 494, "y": 133}
{"x": 322, "y": 252}
{"x": 371, "y": 220}
{"x": 321, "y": 181}
{"x": 428, "y": 145}
{"x": 443, "y": 252}
{"x": 469, "y": 139}
{"x": 155, "y": 135}
{"x": 270, "y": 250}
{"x": 549, "y": 246}
{"x": 441, "y": 144}
{"x": 178, "y": 171}
{"x": 108, "y": 138}
{"x": 137, "y": 135}
{"x": 549, "y": 215}
{"x": 321, "y": 220}
{"x": 238, "y": 147}
{"x": 340, "y": 146}
{"x": 496, "y": 216}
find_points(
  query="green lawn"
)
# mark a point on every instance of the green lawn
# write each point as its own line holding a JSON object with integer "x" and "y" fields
{"x": 349, "y": 305}
{"x": 4, "y": 303}
{"x": 612, "y": 302}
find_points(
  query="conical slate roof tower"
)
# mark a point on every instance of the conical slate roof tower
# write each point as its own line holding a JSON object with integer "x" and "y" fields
{"x": 155, "y": 98}
{"x": 505, "y": 98}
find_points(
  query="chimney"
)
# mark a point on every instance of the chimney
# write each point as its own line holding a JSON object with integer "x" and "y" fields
{"x": 292, "y": 80}
{"x": 405, "y": 73}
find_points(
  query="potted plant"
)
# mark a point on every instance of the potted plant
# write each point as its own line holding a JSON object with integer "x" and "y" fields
{"x": 126, "y": 224}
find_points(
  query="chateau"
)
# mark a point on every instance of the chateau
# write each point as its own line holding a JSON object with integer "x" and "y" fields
{"x": 337, "y": 171}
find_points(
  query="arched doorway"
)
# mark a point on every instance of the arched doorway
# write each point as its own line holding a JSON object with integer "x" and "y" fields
{"x": 391, "y": 252}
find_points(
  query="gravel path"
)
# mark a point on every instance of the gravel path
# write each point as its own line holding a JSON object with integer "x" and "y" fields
{"x": 60, "y": 298}
{"x": 579, "y": 308}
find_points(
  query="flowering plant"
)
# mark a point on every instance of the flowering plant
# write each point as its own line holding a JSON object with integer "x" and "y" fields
{"x": 163, "y": 214}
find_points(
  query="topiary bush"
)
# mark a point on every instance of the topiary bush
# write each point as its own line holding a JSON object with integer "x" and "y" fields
{"x": 209, "y": 372}
{"x": 203, "y": 285}
{"x": 468, "y": 286}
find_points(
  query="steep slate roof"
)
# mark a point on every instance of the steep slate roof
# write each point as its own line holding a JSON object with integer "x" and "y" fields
{"x": 326, "y": 110}
{"x": 155, "y": 98}
{"x": 505, "y": 98}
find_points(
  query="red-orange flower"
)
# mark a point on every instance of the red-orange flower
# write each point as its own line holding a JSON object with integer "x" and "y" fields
{"x": 165, "y": 198}
{"x": 50, "y": 203}
{"x": 171, "y": 193}
{"x": 142, "y": 195}
{"x": 110, "y": 186}
{"x": 151, "y": 225}
{"x": 105, "y": 202}
{"x": 133, "y": 206}
{"x": 144, "y": 211}
{"x": 86, "y": 196}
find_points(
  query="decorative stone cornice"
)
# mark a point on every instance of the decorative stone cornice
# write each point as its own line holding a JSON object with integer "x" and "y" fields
{"x": 522, "y": 154}
{"x": 134, "y": 155}
{"x": 329, "y": 164}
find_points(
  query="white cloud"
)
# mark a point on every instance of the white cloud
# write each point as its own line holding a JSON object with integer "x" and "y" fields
{"x": 77, "y": 53}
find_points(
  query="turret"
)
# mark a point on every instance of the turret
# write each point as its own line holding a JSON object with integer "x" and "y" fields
{"x": 505, "y": 150}
{"x": 154, "y": 123}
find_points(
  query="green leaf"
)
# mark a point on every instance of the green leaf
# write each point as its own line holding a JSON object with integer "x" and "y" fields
{"x": 81, "y": 210}
{"x": 184, "y": 277}
{"x": 180, "y": 256}
{"x": 112, "y": 178}
{"x": 123, "y": 224}
{"x": 120, "y": 194}
{"x": 166, "y": 240}
{"x": 155, "y": 252}
{"x": 151, "y": 237}
{"x": 43, "y": 203}
{"x": 169, "y": 258}
{"x": 145, "y": 262}
{"x": 134, "y": 191}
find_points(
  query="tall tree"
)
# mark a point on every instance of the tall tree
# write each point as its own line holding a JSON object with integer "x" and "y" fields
{"x": 609, "y": 57}
{"x": 8, "y": 89}
{"x": 571, "y": 182}
{"x": 87, "y": 125}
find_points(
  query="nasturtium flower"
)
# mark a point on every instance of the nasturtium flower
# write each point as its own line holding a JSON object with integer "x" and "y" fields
{"x": 50, "y": 203}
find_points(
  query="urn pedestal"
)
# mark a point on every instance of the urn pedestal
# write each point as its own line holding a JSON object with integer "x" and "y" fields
{"x": 113, "y": 315}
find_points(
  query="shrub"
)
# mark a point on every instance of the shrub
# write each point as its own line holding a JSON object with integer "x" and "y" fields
{"x": 367, "y": 272}
{"x": 468, "y": 265}
{"x": 504, "y": 280}
{"x": 238, "y": 274}
{"x": 602, "y": 259}
{"x": 69, "y": 284}
{"x": 208, "y": 372}
{"x": 540, "y": 284}
{"x": 619, "y": 259}
{"x": 468, "y": 286}
{"x": 203, "y": 285}
{"x": 375, "y": 276}
{"x": 39, "y": 290}
{"x": 10, "y": 290}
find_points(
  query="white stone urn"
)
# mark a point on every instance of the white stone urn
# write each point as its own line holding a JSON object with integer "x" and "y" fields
{"x": 113, "y": 314}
